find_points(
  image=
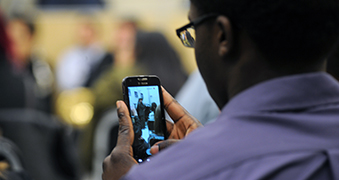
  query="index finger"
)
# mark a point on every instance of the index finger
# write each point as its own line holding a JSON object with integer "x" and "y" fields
{"x": 174, "y": 109}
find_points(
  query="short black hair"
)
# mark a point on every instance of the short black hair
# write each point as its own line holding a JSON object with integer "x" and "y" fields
{"x": 298, "y": 32}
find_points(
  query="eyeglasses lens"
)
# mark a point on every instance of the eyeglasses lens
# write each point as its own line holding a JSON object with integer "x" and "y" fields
{"x": 188, "y": 37}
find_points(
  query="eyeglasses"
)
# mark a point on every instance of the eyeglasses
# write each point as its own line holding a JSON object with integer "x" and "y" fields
{"x": 186, "y": 33}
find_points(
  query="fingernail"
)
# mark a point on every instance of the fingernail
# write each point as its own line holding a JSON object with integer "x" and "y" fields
{"x": 154, "y": 149}
{"x": 118, "y": 104}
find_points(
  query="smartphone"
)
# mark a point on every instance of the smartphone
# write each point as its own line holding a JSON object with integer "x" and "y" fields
{"x": 143, "y": 96}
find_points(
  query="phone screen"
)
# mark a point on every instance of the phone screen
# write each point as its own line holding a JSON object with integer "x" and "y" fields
{"x": 147, "y": 117}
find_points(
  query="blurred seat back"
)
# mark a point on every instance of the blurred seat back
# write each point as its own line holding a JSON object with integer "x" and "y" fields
{"x": 11, "y": 153}
{"x": 105, "y": 139}
{"x": 48, "y": 153}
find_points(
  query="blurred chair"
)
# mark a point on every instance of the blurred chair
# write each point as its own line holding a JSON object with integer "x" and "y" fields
{"x": 10, "y": 153}
{"x": 105, "y": 139}
{"x": 11, "y": 161}
{"x": 47, "y": 149}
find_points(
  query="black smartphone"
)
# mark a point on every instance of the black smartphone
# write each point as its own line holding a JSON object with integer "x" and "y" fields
{"x": 143, "y": 96}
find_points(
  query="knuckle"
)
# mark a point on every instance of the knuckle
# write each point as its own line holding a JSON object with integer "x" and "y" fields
{"x": 121, "y": 115}
{"x": 173, "y": 101}
{"x": 124, "y": 129}
{"x": 163, "y": 145}
{"x": 116, "y": 157}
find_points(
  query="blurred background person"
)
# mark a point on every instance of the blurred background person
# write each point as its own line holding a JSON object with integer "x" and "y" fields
{"x": 156, "y": 55}
{"x": 21, "y": 30}
{"x": 16, "y": 91}
{"x": 108, "y": 87}
{"x": 194, "y": 97}
{"x": 46, "y": 146}
{"x": 83, "y": 63}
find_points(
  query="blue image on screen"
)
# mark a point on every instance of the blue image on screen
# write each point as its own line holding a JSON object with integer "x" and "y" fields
{"x": 144, "y": 101}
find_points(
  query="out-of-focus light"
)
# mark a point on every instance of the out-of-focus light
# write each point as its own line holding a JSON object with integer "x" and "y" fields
{"x": 81, "y": 114}
{"x": 75, "y": 107}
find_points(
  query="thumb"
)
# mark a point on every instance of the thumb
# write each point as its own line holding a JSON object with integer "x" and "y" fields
{"x": 162, "y": 145}
{"x": 126, "y": 136}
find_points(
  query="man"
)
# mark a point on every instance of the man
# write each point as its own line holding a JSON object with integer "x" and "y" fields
{"x": 22, "y": 32}
{"x": 141, "y": 109}
{"x": 263, "y": 64}
{"x": 84, "y": 63}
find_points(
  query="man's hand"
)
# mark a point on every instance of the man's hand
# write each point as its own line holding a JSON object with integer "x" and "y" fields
{"x": 120, "y": 161}
{"x": 184, "y": 123}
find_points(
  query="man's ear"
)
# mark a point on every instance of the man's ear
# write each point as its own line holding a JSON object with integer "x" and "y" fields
{"x": 225, "y": 35}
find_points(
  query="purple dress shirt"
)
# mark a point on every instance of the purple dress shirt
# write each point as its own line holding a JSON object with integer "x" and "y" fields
{"x": 285, "y": 128}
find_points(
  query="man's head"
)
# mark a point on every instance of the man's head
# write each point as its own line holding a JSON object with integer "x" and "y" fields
{"x": 87, "y": 31}
{"x": 21, "y": 30}
{"x": 279, "y": 37}
{"x": 154, "y": 106}
{"x": 288, "y": 30}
